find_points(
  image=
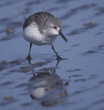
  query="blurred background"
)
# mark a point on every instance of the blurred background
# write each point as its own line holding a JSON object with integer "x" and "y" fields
{"x": 75, "y": 83}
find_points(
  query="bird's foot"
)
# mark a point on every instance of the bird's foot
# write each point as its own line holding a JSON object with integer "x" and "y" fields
{"x": 59, "y": 58}
{"x": 28, "y": 58}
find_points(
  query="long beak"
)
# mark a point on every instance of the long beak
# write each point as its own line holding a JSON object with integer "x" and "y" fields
{"x": 61, "y": 34}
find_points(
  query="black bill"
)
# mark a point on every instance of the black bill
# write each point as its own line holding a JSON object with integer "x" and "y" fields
{"x": 61, "y": 34}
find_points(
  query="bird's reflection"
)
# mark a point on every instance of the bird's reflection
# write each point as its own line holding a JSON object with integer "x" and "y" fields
{"x": 47, "y": 86}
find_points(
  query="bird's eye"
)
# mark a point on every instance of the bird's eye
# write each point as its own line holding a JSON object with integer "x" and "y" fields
{"x": 55, "y": 27}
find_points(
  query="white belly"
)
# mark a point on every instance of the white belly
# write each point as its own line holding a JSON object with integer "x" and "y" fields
{"x": 32, "y": 35}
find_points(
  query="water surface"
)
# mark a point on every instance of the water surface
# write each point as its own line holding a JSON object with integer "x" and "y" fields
{"x": 75, "y": 83}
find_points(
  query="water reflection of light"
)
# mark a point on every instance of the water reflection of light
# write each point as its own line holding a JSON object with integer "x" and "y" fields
{"x": 38, "y": 93}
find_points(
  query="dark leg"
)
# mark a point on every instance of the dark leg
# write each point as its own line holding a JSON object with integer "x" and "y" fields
{"x": 29, "y": 57}
{"x": 58, "y": 57}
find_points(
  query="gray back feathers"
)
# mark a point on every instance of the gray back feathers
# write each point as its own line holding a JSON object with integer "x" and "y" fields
{"x": 41, "y": 20}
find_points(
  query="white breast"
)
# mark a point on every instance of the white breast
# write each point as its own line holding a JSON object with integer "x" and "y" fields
{"x": 32, "y": 34}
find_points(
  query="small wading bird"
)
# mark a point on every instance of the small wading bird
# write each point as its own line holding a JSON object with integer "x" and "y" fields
{"x": 42, "y": 28}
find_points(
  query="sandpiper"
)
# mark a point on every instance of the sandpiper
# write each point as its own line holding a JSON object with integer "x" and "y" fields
{"x": 42, "y": 28}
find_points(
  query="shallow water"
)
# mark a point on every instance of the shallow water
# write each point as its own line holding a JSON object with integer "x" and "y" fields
{"x": 75, "y": 83}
